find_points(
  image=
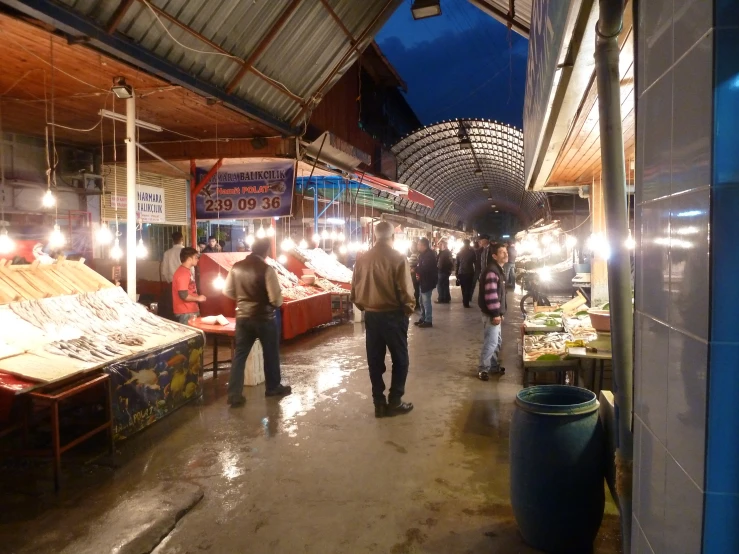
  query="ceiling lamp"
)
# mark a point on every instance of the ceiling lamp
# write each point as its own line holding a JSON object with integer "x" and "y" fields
{"x": 48, "y": 200}
{"x": 485, "y": 188}
{"x": 465, "y": 142}
{"x": 261, "y": 233}
{"x": 103, "y": 235}
{"x": 219, "y": 282}
{"x": 422, "y": 9}
{"x": 303, "y": 244}
{"x": 56, "y": 239}
{"x": 141, "y": 250}
{"x": 122, "y": 89}
{"x": 115, "y": 252}
{"x": 478, "y": 171}
{"x": 490, "y": 198}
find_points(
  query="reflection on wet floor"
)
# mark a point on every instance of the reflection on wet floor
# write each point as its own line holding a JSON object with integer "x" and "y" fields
{"x": 316, "y": 472}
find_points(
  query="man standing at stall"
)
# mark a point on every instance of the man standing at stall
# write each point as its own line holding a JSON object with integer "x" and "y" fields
{"x": 170, "y": 263}
{"x": 445, "y": 265}
{"x": 492, "y": 302}
{"x": 382, "y": 288}
{"x": 254, "y": 286}
{"x": 185, "y": 297}
{"x": 427, "y": 276}
{"x": 466, "y": 271}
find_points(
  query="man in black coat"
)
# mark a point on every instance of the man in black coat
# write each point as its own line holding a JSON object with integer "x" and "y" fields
{"x": 445, "y": 264}
{"x": 467, "y": 268}
{"x": 427, "y": 276}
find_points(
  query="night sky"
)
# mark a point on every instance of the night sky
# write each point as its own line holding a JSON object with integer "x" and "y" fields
{"x": 462, "y": 64}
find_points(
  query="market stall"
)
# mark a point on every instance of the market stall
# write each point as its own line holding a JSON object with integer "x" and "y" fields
{"x": 305, "y": 306}
{"x": 64, "y": 322}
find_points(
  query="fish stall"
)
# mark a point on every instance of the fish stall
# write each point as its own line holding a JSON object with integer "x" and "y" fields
{"x": 63, "y": 322}
{"x": 305, "y": 306}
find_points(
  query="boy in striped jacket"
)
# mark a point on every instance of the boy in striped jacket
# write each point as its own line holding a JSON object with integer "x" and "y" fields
{"x": 492, "y": 302}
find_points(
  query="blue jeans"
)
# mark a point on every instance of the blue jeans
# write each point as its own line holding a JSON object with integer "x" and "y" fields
{"x": 184, "y": 319}
{"x": 492, "y": 342}
{"x": 247, "y": 332}
{"x": 387, "y": 331}
{"x": 427, "y": 312}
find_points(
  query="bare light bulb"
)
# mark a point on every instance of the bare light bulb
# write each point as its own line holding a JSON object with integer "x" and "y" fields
{"x": 141, "y": 250}
{"x": 303, "y": 244}
{"x": 333, "y": 235}
{"x": 49, "y": 200}
{"x": 341, "y": 236}
{"x": 342, "y": 249}
{"x": 333, "y": 255}
{"x": 555, "y": 248}
{"x": 324, "y": 234}
{"x": 260, "y": 233}
{"x": 316, "y": 238}
{"x": 630, "y": 243}
{"x": 571, "y": 241}
{"x": 56, "y": 239}
{"x": 270, "y": 231}
{"x": 6, "y": 243}
{"x": 250, "y": 240}
{"x": 287, "y": 244}
{"x": 282, "y": 259}
{"x": 219, "y": 282}
{"x": 103, "y": 235}
{"x": 115, "y": 252}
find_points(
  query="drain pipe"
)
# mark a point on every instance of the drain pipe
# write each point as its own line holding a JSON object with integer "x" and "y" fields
{"x": 607, "y": 52}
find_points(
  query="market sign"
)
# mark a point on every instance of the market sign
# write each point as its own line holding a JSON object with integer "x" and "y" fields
{"x": 149, "y": 204}
{"x": 254, "y": 190}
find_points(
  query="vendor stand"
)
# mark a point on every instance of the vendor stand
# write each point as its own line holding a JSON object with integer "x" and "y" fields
{"x": 330, "y": 275}
{"x": 304, "y": 307}
{"x": 66, "y": 330}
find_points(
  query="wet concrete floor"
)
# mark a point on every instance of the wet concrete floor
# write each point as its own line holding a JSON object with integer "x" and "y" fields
{"x": 314, "y": 472}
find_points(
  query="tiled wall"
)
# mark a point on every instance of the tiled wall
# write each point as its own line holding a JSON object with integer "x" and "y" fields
{"x": 686, "y": 426}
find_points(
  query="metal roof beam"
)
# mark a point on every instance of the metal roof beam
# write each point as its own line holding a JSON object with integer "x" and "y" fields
{"x": 117, "y": 16}
{"x": 120, "y": 47}
{"x": 262, "y": 46}
{"x": 339, "y": 22}
{"x": 503, "y": 17}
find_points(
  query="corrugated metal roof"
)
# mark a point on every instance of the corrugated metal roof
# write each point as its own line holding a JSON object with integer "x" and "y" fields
{"x": 302, "y": 56}
{"x": 505, "y": 11}
{"x": 432, "y": 161}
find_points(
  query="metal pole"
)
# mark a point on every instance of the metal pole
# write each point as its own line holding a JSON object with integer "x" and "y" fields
{"x": 131, "y": 200}
{"x": 619, "y": 265}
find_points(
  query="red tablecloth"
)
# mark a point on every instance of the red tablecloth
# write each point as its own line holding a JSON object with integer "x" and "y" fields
{"x": 10, "y": 386}
{"x": 300, "y": 316}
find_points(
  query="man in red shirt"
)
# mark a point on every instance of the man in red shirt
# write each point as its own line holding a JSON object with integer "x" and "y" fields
{"x": 185, "y": 296}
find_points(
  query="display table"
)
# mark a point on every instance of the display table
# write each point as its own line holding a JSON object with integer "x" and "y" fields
{"x": 598, "y": 358}
{"x": 303, "y": 315}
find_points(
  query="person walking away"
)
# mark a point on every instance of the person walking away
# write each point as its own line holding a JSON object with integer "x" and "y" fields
{"x": 383, "y": 290}
{"x": 413, "y": 264}
{"x": 185, "y": 297}
{"x": 427, "y": 276}
{"x": 254, "y": 286}
{"x": 170, "y": 263}
{"x": 510, "y": 267}
{"x": 492, "y": 302}
{"x": 445, "y": 265}
{"x": 466, "y": 271}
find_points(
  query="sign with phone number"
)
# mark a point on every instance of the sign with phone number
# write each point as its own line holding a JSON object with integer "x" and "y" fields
{"x": 255, "y": 190}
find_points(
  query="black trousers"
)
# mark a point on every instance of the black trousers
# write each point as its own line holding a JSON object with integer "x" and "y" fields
{"x": 165, "y": 302}
{"x": 247, "y": 333}
{"x": 467, "y": 283}
{"x": 416, "y": 288}
{"x": 444, "y": 295}
{"x": 387, "y": 331}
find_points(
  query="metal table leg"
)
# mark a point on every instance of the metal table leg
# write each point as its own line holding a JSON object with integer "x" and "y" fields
{"x": 215, "y": 356}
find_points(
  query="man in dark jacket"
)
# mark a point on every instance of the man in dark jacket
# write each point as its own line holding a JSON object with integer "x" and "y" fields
{"x": 445, "y": 265}
{"x": 466, "y": 271}
{"x": 492, "y": 302}
{"x": 413, "y": 263}
{"x": 427, "y": 276}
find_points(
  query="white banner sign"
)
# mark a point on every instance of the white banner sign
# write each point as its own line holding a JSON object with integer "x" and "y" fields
{"x": 150, "y": 205}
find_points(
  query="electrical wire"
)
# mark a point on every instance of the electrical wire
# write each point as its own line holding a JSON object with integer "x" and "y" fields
{"x": 61, "y": 70}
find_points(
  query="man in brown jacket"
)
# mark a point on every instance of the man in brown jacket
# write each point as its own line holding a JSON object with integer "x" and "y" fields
{"x": 382, "y": 288}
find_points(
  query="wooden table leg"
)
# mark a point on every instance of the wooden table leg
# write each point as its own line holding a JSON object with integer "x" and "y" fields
{"x": 55, "y": 443}
{"x": 215, "y": 356}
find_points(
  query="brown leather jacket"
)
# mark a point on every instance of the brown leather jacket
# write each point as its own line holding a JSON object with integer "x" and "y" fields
{"x": 382, "y": 281}
{"x": 255, "y": 287}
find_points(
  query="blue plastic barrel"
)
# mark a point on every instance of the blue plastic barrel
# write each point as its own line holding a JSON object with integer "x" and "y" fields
{"x": 557, "y": 472}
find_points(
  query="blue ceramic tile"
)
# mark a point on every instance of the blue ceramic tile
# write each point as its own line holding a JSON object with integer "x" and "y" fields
{"x": 683, "y": 512}
{"x": 726, "y": 107}
{"x": 655, "y": 23}
{"x": 656, "y": 171}
{"x": 692, "y": 123}
{"x": 725, "y": 264}
{"x": 721, "y": 525}
{"x": 689, "y": 260}
{"x": 653, "y": 259}
{"x": 652, "y": 466}
{"x": 722, "y": 452}
{"x": 692, "y": 19}
{"x": 686, "y": 403}
{"x": 652, "y": 369}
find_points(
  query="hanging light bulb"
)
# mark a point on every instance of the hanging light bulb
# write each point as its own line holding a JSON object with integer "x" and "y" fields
{"x": 282, "y": 259}
{"x": 103, "y": 235}
{"x": 115, "y": 252}
{"x": 342, "y": 249}
{"x": 303, "y": 244}
{"x": 141, "y": 250}
{"x": 630, "y": 243}
{"x": 341, "y": 237}
{"x": 333, "y": 255}
{"x": 571, "y": 241}
{"x": 261, "y": 233}
{"x": 250, "y": 240}
{"x": 555, "y": 248}
{"x": 287, "y": 244}
{"x": 316, "y": 238}
{"x": 324, "y": 234}
{"x": 333, "y": 234}
{"x": 219, "y": 282}
{"x": 49, "y": 200}
{"x": 270, "y": 231}
{"x": 7, "y": 245}
{"x": 56, "y": 239}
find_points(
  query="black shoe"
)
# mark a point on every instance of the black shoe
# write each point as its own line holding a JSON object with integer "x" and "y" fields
{"x": 282, "y": 390}
{"x": 418, "y": 323}
{"x": 401, "y": 408}
{"x": 483, "y": 375}
{"x": 236, "y": 402}
{"x": 380, "y": 410}
{"x": 467, "y": 306}
{"x": 499, "y": 371}
{"x": 425, "y": 325}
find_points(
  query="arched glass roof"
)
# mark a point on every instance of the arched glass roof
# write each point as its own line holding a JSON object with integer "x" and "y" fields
{"x": 453, "y": 161}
